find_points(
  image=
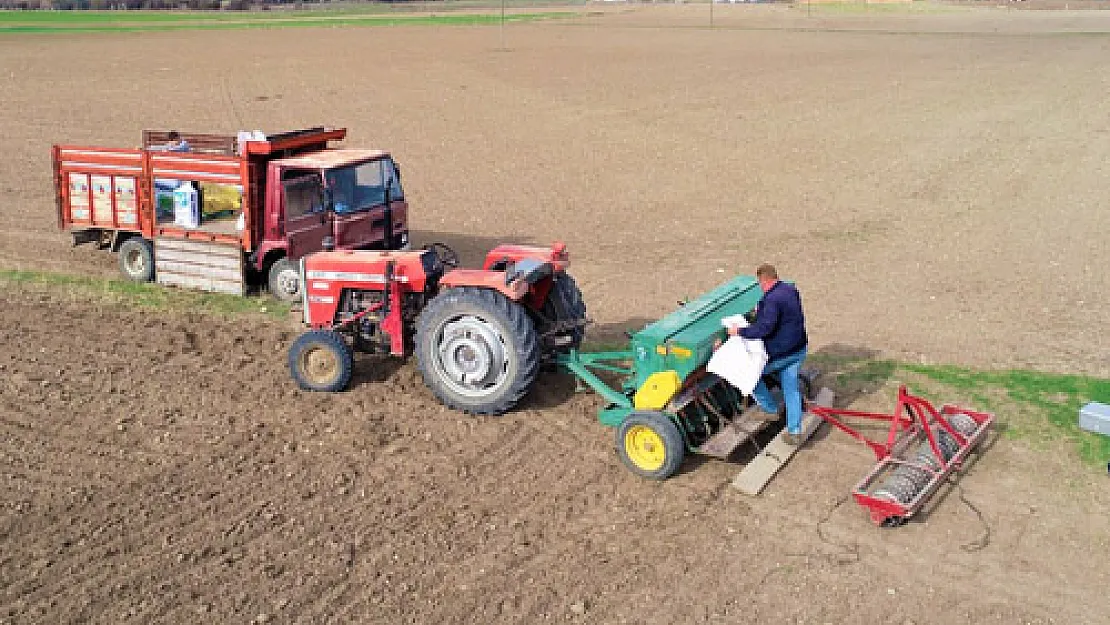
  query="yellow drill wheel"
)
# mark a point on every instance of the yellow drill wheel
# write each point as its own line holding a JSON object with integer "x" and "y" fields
{"x": 644, "y": 447}
{"x": 650, "y": 445}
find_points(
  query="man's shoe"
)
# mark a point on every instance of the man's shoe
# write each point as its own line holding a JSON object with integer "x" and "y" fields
{"x": 755, "y": 413}
{"x": 791, "y": 439}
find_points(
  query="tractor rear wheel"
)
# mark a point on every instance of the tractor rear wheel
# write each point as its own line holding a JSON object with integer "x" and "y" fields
{"x": 320, "y": 360}
{"x": 565, "y": 304}
{"x": 477, "y": 350}
{"x": 650, "y": 444}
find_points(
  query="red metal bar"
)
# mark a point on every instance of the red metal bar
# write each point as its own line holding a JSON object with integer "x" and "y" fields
{"x": 359, "y": 315}
{"x": 829, "y": 415}
{"x": 393, "y": 324}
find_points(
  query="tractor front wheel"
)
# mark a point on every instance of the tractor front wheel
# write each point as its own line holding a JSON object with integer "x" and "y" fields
{"x": 320, "y": 360}
{"x": 477, "y": 350}
{"x": 650, "y": 445}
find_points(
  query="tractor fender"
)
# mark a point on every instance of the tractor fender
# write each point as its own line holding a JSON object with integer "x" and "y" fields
{"x": 480, "y": 278}
{"x": 504, "y": 254}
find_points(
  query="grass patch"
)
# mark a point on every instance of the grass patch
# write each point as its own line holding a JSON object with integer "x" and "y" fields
{"x": 29, "y": 22}
{"x": 1033, "y": 406}
{"x": 144, "y": 295}
{"x": 1054, "y": 398}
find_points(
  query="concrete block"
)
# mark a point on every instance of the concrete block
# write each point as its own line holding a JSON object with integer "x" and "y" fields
{"x": 1095, "y": 417}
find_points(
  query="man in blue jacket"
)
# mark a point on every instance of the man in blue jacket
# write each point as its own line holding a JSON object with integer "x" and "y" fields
{"x": 781, "y": 324}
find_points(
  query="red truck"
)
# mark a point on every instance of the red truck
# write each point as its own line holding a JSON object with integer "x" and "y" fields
{"x": 220, "y": 213}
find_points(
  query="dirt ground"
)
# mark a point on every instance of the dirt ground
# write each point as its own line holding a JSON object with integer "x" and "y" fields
{"x": 934, "y": 182}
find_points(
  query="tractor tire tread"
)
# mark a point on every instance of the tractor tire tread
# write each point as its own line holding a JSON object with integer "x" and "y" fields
{"x": 518, "y": 324}
{"x": 335, "y": 342}
{"x": 565, "y": 302}
{"x": 673, "y": 443}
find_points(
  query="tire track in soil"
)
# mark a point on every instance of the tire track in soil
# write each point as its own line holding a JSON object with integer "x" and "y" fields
{"x": 138, "y": 491}
{"x": 514, "y": 445}
{"x": 142, "y": 525}
{"x": 244, "y": 541}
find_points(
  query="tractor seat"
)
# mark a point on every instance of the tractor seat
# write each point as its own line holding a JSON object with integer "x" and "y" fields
{"x": 530, "y": 269}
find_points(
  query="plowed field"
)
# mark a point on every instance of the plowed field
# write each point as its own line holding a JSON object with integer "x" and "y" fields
{"x": 934, "y": 183}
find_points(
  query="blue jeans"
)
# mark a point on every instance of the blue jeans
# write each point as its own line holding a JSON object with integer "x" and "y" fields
{"x": 788, "y": 368}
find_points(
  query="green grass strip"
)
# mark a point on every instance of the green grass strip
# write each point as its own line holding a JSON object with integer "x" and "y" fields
{"x": 1057, "y": 398}
{"x": 870, "y": 8}
{"x": 145, "y": 295}
{"x": 123, "y": 22}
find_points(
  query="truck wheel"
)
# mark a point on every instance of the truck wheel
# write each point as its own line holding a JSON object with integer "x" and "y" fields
{"x": 564, "y": 303}
{"x": 477, "y": 350}
{"x": 650, "y": 444}
{"x": 320, "y": 360}
{"x": 136, "y": 259}
{"x": 285, "y": 280}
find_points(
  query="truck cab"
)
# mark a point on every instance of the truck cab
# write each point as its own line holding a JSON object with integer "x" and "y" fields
{"x": 343, "y": 199}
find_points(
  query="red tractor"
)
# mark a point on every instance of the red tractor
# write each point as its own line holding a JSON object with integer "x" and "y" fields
{"x": 479, "y": 335}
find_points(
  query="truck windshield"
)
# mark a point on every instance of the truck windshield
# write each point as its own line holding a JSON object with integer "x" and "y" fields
{"x": 360, "y": 187}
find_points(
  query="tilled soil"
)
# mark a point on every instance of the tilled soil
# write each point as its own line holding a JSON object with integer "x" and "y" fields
{"x": 172, "y": 472}
{"x": 933, "y": 183}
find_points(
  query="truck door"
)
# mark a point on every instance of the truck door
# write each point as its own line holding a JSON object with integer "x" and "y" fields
{"x": 358, "y": 195}
{"x": 399, "y": 207}
{"x": 306, "y": 221}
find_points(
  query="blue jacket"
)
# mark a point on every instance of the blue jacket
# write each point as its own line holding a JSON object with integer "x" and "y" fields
{"x": 779, "y": 321}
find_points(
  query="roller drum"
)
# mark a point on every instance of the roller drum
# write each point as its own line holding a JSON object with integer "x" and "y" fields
{"x": 906, "y": 481}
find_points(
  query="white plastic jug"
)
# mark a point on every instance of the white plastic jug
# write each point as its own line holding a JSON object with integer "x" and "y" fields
{"x": 186, "y": 212}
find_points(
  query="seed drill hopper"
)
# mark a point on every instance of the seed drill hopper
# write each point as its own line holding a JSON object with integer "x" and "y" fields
{"x": 664, "y": 403}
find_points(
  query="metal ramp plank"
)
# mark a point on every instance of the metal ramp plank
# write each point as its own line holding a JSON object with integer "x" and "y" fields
{"x": 758, "y": 473}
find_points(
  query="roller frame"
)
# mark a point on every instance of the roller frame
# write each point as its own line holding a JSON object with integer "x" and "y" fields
{"x": 911, "y": 423}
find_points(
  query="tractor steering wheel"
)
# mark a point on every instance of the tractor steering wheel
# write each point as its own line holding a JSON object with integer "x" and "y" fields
{"x": 444, "y": 254}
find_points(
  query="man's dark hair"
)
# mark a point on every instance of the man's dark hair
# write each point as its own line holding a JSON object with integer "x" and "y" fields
{"x": 766, "y": 271}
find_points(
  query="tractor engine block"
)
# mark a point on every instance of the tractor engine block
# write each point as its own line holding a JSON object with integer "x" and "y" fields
{"x": 367, "y": 332}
